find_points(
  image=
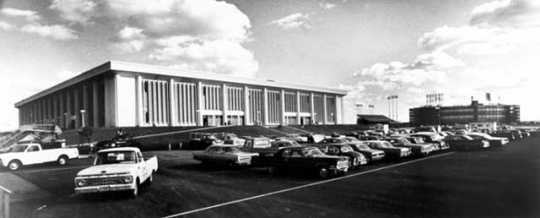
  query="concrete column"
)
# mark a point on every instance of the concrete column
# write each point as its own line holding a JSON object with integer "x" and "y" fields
{"x": 69, "y": 108}
{"x": 265, "y": 106}
{"x": 199, "y": 104}
{"x": 95, "y": 109}
{"x": 282, "y": 103}
{"x": 325, "y": 118}
{"x": 246, "y": 105}
{"x": 85, "y": 105}
{"x": 225, "y": 96}
{"x": 77, "y": 107}
{"x": 339, "y": 110}
{"x": 138, "y": 101}
{"x": 172, "y": 103}
{"x": 298, "y": 107}
{"x": 312, "y": 107}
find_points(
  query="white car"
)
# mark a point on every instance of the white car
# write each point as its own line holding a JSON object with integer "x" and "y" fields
{"x": 32, "y": 153}
{"x": 116, "y": 169}
{"x": 224, "y": 154}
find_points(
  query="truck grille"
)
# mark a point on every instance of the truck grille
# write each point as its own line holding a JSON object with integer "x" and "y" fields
{"x": 104, "y": 181}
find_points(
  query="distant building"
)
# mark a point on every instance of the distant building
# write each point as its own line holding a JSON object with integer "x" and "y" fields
{"x": 370, "y": 119}
{"x": 464, "y": 114}
{"x": 122, "y": 94}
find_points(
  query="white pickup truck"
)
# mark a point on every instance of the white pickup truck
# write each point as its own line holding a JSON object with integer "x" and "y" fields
{"x": 32, "y": 153}
{"x": 116, "y": 169}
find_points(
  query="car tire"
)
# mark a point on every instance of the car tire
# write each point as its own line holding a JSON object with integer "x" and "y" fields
{"x": 14, "y": 165}
{"x": 323, "y": 173}
{"x": 62, "y": 160}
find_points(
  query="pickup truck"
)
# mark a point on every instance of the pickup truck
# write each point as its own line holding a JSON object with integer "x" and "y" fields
{"x": 32, "y": 153}
{"x": 305, "y": 159}
{"x": 116, "y": 169}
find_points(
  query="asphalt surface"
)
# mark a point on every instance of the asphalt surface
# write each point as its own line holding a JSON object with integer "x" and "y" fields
{"x": 493, "y": 183}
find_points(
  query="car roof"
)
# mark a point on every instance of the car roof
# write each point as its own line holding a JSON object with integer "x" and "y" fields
{"x": 120, "y": 149}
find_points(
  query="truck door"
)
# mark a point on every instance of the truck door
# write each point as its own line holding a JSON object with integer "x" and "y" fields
{"x": 141, "y": 166}
{"x": 32, "y": 155}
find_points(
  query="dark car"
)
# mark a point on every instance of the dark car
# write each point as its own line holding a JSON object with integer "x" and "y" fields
{"x": 305, "y": 159}
{"x": 506, "y": 134}
{"x": 201, "y": 140}
{"x": 390, "y": 151}
{"x": 417, "y": 149}
{"x": 465, "y": 143}
{"x": 431, "y": 137}
{"x": 115, "y": 143}
{"x": 362, "y": 147}
{"x": 493, "y": 141}
{"x": 342, "y": 148}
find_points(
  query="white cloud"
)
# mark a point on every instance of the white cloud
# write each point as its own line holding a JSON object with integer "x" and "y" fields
{"x": 6, "y": 26}
{"x": 26, "y": 14}
{"x": 79, "y": 11}
{"x": 497, "y": 52}
{"x": 131, "y": 33}
{"x": 57, "y": 32}
{"x": 327, "y": 5}
{"x": 293, "y": 21}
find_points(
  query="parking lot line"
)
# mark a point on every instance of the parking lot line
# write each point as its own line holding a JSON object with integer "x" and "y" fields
{"x": 303, "y": 186}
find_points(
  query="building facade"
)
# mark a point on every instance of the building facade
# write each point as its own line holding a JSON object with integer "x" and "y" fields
{"x": 464, "y": 114}
{"x": 122, "y": 94}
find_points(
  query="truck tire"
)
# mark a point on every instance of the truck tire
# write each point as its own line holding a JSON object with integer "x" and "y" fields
{"x": 135, "y": 191}
{"x": 62, "y": 160}
{"x": 14, "y": 165}
{"x": 150, "y": 178}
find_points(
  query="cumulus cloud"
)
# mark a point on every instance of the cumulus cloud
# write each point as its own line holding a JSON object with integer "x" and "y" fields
{"x": 58, "y": 32}
{"x": 79, "y": 11}
{"x": 26, "y": 14}
{"x": 327, "y": 5}
{"x": 293, "y": 21}
{"x": 216, "y": 31}
{"x": 6, "y": 26}
{"x": 494, "y": 53}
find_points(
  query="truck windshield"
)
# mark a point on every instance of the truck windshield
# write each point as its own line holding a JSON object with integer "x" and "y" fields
{"x": 115, "y": 157}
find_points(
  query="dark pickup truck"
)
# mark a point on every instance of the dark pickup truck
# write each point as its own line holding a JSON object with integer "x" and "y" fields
{"x": 304, "y": 159}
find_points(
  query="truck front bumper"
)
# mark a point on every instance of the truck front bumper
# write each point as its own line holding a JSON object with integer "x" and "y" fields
{"x": 104, "y": 188}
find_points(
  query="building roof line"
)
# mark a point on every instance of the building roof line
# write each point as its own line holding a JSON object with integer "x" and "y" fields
{"x": 114, "y": 65}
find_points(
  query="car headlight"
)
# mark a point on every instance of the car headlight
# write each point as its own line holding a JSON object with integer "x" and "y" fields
{"x": 127, "y": 179}
{"x": 80, "y": 182}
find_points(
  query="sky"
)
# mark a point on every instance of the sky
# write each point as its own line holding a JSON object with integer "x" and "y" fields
{"x": 371, "y": 48}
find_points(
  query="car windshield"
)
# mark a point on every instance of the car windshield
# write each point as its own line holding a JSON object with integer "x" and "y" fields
{"x": 346, "y": 148}
{"x": 231, "y": 149}
{"x": 115, "y": 157}
{"x": 381, "y": 144}
{"x": 362, "y": 146}
{"x": 351, "y": 139}
{"x": 308, "y": 152}
{"x": 18, "y": 148}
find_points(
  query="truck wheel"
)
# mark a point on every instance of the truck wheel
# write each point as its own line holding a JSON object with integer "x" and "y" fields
{"x": 135, "y": 191}
{"x": 151, "y": 178}
{"x": 14, "y": 165}
{"x": 323, "y": 173}
{"x": 62, "y": 160}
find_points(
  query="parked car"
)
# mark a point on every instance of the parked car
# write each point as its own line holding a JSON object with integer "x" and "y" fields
{"x": 32, "y": 153}
{"x": 362, "y": 147}
{"x": 431, "y": 137}
{"x": 114, "y": 143}
{"x": 116, "y": 169}
{"x": 201, "y": 140}
{"x": 340, "y": 147}
{"x": 390, "y": 151}
{"x": 230, "y": 138}
{"x": 465, "y": 142}
{"x": 506, "y": 134}
{"x": 493, "y": 141}
{"x": 420, "y": 141}
{"x": 306, "y": 159}
{"x": 228, "y": 155}
{"x": 416, "y": 149}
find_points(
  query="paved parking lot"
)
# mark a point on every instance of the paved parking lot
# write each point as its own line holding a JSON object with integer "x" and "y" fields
{"x": 494, "y": 183}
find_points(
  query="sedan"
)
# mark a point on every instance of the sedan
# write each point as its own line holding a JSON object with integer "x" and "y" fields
{"x": 362, "y": 147}
{"x": 417, "y": 149}
{"x": 493, "y": 141}
{"x": 465, "y": 142}
{"x": 390, "y": 151}
{"x": 228, "y": 155}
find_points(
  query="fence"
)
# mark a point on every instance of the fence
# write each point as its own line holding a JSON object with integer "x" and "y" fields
{"x": 4, "y": 202}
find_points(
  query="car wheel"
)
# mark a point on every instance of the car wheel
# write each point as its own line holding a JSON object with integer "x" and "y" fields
{"x": 62, "y": 160}
{"x": 14, "y": 165}
{"x": 323, "y": 173}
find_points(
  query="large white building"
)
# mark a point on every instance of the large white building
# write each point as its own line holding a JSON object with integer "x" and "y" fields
{"x": 121, "y": 94}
